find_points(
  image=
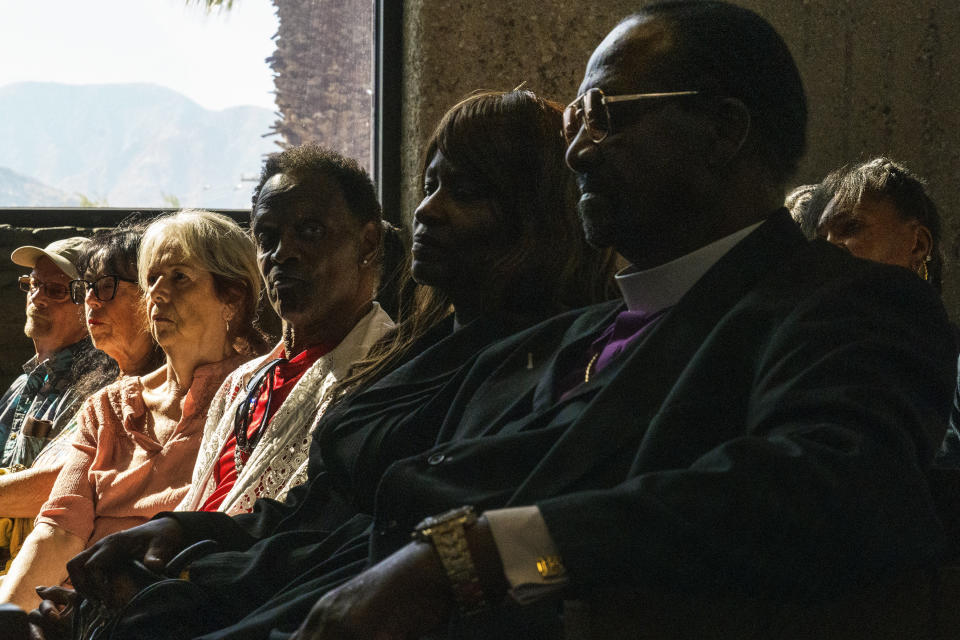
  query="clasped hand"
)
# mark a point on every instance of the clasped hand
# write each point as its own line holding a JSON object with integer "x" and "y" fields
{"x": 98, "y": 572}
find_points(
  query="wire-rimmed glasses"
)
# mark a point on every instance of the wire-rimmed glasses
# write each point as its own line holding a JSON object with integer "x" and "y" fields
{"x": 54, "y": 290}
{"x": 591, "y": 111}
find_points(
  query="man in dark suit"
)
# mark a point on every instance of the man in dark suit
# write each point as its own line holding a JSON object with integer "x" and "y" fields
{"x": 752, "y": 420}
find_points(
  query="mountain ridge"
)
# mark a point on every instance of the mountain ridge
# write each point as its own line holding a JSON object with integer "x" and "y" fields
{"x": 131, "y": 144}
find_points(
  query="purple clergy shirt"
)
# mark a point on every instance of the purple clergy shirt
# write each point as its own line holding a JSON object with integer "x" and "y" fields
{"x": 627, "y": 328}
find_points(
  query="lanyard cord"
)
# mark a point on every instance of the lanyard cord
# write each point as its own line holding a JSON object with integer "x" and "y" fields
{"x": 245, "y": 410}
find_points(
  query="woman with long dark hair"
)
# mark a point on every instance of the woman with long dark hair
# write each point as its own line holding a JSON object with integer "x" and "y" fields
{"x": 497, "y": 246}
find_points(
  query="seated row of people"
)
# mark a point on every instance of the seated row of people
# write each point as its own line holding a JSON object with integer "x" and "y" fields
{"x": 137, "y": 439}
{"x": 40, "y": 407}
{"x": 741, "y": 424}
{"x": 478, "y": 273}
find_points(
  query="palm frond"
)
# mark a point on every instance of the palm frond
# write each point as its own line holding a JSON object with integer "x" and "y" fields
{"x": 212, "y": 4}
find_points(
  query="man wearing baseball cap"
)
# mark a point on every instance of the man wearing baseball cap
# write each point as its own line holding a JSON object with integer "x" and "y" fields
{"x": 38, "y": 402}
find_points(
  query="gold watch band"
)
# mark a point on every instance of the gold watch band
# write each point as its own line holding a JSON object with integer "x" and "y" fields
{"x": 446, "y": 532}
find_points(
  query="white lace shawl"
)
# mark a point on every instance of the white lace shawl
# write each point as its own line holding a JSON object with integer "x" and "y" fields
{"x": 279, "y": 461}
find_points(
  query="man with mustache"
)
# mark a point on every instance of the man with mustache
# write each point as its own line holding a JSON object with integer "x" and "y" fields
{"x": 32, "y": 409}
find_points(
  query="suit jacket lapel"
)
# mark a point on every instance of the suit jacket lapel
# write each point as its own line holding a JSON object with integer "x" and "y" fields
{"x": 519, "y": 373}
{"x": 631, "y": 393}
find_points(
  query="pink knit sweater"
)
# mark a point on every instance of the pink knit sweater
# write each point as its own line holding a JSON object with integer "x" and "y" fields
{"x": 119, "y": 475}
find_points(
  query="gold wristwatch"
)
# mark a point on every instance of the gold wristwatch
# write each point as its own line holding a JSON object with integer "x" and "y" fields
{"x": 446, "y": 533}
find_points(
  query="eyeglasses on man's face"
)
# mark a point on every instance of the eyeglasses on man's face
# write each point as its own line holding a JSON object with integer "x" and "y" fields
{"x": 54, "y": 290}
{"x": 104, "y": 288}
{"x": 591, "y": 111}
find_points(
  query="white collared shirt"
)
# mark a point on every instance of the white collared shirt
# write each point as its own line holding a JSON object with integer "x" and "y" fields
{"x": 660, "y": 287}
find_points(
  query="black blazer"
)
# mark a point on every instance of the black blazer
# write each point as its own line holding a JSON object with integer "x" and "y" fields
{"x": 768, "y": 436}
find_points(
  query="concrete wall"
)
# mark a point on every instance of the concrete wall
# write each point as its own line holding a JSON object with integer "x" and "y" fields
{"x": 882, "y": 77}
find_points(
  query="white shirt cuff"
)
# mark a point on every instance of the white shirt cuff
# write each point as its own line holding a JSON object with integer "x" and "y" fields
{"x": 523, "y": 541}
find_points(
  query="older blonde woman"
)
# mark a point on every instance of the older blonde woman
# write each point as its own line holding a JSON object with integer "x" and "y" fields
{"x": 138, "y": 438}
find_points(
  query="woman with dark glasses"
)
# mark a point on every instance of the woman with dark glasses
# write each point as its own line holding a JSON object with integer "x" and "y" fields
{"x": 136, "y": 440}
{"x": 118, "y": 328}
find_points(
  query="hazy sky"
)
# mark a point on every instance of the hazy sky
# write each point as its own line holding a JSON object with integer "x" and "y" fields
{"x": 216, "y": 59}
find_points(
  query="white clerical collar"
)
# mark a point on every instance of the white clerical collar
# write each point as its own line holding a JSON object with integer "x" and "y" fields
{"x": 656, "y": 289}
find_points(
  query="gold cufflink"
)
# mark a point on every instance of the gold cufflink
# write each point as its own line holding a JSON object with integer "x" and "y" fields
{"x": 550, "y": 566}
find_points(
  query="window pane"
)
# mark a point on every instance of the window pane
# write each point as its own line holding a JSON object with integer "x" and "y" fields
{"x": 160, "y": 103}
{"x": 324, "y": 66}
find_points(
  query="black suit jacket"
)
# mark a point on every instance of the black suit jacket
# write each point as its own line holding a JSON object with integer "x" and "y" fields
{"x": 769, "y": 435}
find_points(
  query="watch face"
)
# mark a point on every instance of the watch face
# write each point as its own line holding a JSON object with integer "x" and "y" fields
{"x": 467, "y": 514}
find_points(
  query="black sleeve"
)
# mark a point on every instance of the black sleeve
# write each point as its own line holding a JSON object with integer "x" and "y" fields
{"x": 401, "y": 415}
{"x": 207, "y": 525}
{"x": 826, "y": 484}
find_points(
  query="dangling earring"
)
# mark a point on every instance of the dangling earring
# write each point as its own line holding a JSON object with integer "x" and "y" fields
{"x": 228, "y": 327}
{"x": 922, "y": 270}
{"x": 365, "y": 261}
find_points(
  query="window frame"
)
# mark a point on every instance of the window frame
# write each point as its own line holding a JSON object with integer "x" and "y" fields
{"x": 387, "y": 101}
{"x": 385, "y": 143}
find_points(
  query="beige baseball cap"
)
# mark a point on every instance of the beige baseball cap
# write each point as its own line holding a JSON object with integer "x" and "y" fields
{"x": 63, "y": 253}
